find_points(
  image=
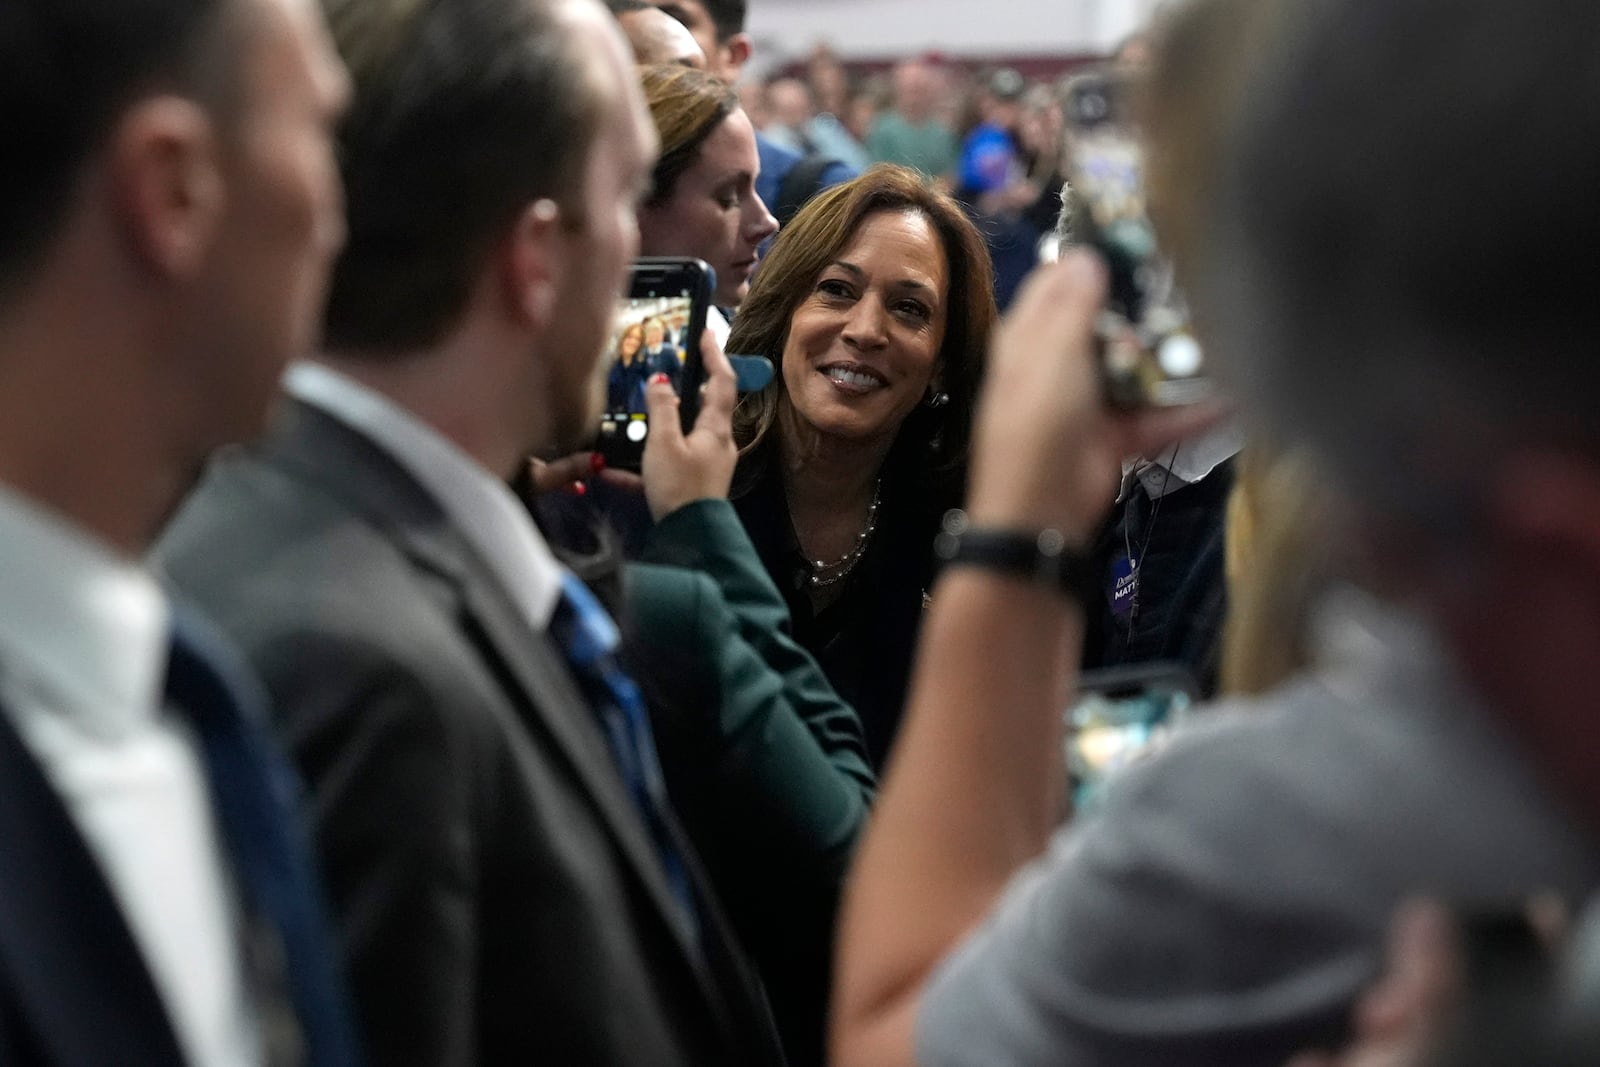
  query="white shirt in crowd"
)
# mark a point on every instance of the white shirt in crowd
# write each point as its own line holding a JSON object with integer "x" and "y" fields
{"x": 719, "y": 326}
{"x": 1185, "y": 463}
{"x": 83, "y": 653}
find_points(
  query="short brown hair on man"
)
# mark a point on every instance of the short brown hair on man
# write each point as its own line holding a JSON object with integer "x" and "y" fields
{"x": 68, "y": 69}
{"x": 465, "y": 112}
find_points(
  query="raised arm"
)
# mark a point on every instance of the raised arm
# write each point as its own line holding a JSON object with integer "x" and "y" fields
{"x": 972, "y": 789}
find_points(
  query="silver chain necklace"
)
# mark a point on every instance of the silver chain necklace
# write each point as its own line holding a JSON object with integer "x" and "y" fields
{"x": 823, "y": 573}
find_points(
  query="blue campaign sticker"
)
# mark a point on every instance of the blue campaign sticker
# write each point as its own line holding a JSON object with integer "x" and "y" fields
{"x": 1124, "y": 584}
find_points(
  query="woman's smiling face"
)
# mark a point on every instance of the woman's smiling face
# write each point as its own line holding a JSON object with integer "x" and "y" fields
{"x": 631, "y": 341}
{"x": 863, "y": 346}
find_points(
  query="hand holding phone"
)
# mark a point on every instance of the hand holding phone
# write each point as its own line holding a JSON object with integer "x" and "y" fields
{"x": 680, "y": 468}
{"x": 656, "y": 332}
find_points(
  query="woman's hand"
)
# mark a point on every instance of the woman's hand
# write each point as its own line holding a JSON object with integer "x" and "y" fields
{"x": 680, "y": 469}
{"x": 677, "y": 469}
{"x": 1399, "y": 1022}
{"x": 1414, "y": 1015}
{"x": 572, "y": 473}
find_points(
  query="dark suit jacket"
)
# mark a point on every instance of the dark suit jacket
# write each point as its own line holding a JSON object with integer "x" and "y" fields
{"x": 865, "y": 640}
{"x": 74, "y": 991}
{"x": 766, "y": 764}
{"x": 498, "y": 894}
{"x": 1180, "y": 542}
{"x": 663, "y": 360}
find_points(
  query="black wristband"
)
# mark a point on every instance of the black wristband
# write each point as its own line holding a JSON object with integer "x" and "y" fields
{"x": 1041, "y": 556}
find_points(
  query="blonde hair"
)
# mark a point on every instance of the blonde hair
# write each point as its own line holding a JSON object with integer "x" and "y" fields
{"x": 1279, "y": 562}
{"x": 634, "y": 330}
{"x": 1205, "y": 54}
{"x": 1277, "y": 539}
{"x": 686, "y": 105}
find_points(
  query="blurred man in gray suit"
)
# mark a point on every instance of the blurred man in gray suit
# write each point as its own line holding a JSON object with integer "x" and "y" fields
{"x": 509, "y": 881}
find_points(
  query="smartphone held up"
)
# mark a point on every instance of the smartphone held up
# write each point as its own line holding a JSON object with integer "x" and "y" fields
{"x": 1150, "y": 354}
{"x": 656, "y": 330}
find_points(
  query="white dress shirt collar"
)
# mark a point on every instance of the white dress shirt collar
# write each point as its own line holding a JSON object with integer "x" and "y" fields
{"x": 481, "y": 506}
{"x": 719, "y": 326}
{"x": 79, "y": 620}
{"x": 1187, "y": 462}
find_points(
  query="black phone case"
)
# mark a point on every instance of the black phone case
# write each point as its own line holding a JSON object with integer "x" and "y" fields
{"x": 651, "y": 276}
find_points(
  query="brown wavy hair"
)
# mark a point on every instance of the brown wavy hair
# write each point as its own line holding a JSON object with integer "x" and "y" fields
{"x": 811, "y": 241}
{"x": 687, "y": 106}
{"x": 434, "y": 154}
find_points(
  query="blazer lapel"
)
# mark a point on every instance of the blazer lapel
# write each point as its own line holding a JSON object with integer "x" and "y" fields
{"x": 66, "y": 954}
{"x": 560, "y": 712}
{"x": 321, "y": 449}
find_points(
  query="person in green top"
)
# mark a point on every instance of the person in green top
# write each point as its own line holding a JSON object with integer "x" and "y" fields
{"x": 765, "y": 764}
{"x": 911, "y": 133}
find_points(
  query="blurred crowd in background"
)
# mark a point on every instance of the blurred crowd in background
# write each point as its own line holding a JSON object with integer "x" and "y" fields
{"x": 990, "y": 135}
{"x": 922, "y": 699}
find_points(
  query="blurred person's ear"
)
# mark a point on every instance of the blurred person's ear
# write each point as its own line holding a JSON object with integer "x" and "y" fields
{"x": 736, "y": 51}
{"x": 532, "y": 262}
{"x": 164, "y": 176}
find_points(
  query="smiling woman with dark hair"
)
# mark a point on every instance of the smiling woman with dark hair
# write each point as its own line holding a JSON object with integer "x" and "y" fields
{"x": 875, "y": 304}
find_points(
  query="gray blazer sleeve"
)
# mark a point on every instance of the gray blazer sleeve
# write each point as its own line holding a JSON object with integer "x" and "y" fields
{"x": 401, "y": 785}
{"x": 1207, "y": 914}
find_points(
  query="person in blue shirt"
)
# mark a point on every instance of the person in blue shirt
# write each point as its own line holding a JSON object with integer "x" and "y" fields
{"x": 990, "y": 159}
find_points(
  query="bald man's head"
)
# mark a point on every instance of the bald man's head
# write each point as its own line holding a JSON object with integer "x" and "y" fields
{"x": 657, "y": 37}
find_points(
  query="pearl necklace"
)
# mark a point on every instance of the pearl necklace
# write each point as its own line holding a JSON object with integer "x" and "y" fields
{"x": 846, "y": 563}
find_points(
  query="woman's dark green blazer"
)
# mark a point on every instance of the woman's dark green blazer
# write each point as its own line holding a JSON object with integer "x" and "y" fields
{"x": 765, "y": 763}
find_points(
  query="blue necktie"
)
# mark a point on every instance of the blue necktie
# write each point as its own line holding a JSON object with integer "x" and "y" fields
{"x": 254, "y": 793}
{"x": 590, "y": 639}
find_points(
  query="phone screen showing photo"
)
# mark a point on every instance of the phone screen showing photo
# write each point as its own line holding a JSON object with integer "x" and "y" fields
{"x": 649, "y": 336}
